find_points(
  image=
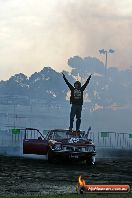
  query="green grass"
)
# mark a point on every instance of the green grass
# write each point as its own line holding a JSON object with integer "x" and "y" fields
{"x": 123, "y": 195}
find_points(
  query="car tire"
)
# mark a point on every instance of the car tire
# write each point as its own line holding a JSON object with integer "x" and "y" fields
{"x": 90, "y": 161}
{"x": 49, "y": 156}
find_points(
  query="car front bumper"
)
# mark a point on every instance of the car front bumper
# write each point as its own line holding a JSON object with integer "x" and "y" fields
{"x": 65, "y": 155}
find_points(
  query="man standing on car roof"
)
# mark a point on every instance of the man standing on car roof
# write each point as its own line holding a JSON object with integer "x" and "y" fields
{"x": 76, "y": 99}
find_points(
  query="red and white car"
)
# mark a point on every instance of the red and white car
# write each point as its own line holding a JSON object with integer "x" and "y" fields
{"x": 60, "y": 144}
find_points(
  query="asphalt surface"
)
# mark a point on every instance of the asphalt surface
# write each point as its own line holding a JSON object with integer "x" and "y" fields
{"x": 24, "y": 176}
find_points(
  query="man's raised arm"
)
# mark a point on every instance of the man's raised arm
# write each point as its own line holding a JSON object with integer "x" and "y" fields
{"x": 86, "y": 83}
{"x": 67, "y": 82}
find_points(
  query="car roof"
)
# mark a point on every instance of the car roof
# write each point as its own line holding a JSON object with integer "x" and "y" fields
{"x": 62, "y": 130}
{"x": 53, "y": 130}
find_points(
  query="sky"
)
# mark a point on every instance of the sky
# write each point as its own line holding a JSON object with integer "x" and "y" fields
{"x": 38, "y": 33}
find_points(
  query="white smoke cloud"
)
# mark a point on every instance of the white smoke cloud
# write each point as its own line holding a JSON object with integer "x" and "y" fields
{"x": 35, "y": 33}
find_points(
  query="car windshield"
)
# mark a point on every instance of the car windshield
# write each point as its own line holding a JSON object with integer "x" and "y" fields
{"x": 59, "y": 135}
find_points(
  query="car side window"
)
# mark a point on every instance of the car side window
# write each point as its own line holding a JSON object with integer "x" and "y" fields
{"x": 50, "y": 136}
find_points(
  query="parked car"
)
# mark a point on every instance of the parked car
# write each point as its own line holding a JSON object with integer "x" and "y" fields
{"x": 60, "y": 144}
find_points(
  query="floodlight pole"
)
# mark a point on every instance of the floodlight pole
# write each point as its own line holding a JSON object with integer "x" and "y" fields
{"x": 106, "y": 61}
{"x": 106, "y": 52}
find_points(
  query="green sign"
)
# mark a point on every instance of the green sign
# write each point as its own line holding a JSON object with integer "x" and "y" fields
{"x": 15, "y": 131}
{"x": 104, "y": 134}
{"x": 130, "y": 135}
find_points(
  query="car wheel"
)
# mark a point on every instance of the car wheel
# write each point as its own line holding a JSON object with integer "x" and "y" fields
{"x": 90, "y": 161}
{"x": 49, "y": 156}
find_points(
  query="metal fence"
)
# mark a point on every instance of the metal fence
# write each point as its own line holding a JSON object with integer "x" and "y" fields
{"x": 10, "y": 138}
{"x": 112, "y": 140}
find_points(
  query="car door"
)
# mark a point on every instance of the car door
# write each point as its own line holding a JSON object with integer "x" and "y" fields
{"x": 33, "y": 143}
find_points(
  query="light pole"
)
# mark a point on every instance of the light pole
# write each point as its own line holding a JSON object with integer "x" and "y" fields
{"x": 106, "y": 52}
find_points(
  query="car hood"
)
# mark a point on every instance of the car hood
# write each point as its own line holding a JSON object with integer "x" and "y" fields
{"x": 72, "y": 141}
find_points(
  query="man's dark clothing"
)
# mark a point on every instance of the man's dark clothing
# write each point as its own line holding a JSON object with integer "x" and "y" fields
{"x": 75, "y": 110}
{"x": 76, "y": 99}
{"x": 76, "y": 94}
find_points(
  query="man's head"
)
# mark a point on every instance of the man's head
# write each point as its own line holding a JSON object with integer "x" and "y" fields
{"x": 77, "y": 85}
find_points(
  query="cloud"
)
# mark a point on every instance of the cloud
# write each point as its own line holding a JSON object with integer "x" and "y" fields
{"x": 101, "y": 24}
{"x": 35, "y": 33}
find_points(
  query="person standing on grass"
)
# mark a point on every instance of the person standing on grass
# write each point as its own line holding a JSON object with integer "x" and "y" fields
{"x": 76, "y": 99}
